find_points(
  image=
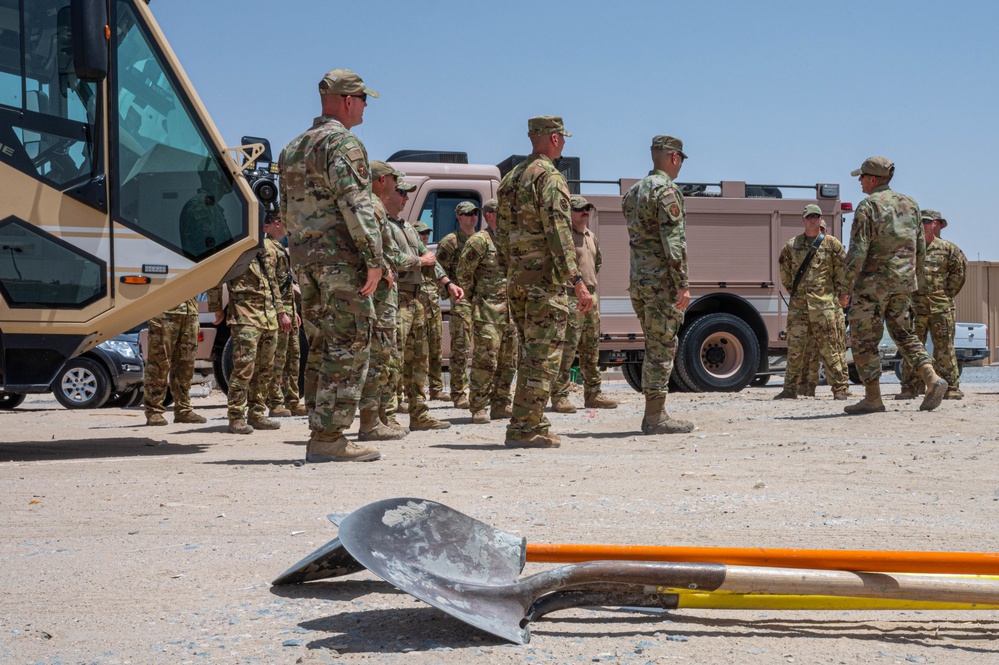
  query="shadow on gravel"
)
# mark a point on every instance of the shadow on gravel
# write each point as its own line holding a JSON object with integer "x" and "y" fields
{"x": 337, "y": 589}
{"x": 600, "y": 435}
{"x": 820, "y": 416}
{"x": 40, "y": 451}
{"x": 394, "y": 631}
{"x": 470, "y": 446}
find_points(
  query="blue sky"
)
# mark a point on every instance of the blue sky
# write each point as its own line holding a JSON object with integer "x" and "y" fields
{"x": 766, "y": 92}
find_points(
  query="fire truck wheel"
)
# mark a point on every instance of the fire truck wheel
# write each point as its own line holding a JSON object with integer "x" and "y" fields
{"x": 717, "y": 353}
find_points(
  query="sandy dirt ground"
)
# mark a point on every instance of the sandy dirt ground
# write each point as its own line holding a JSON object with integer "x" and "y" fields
{"x": 121, "y": 543}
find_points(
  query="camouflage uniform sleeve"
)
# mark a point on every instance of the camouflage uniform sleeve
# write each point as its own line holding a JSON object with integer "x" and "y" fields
{"x": 390, "y": 250}
{"x": 272, "y": 281}
{"x": 215, "y": 299}
{"x": 439, "y": 273}
{"x": 920, "y": 253}
{"x": 786, "y": 268}
{"x": 671, "y": 232}
{"x": 957, "y": 268}
{"x": 468, "y": 264}
{"x": 553, "y": 195}
{"x": 447, "y": 255}
{"x": 837, "y": 256}
{"x": 348, "y": 173}
{"x": 502, "y": 236}
{"x": 600, "y": 259}
{"x": 860, "y": 240}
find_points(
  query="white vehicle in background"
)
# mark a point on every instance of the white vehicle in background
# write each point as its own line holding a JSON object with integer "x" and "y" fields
{"x": 971, "y": 343}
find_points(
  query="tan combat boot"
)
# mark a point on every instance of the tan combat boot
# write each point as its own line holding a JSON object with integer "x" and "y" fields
{"x": 481, "y": 417}
{"x": 189, "y": 417}
{"x": 239, "y": 426}
{"x": 372, "y": 429}
{"x": 656, "y": 421}
{"x": 155, "y": 420}
{"x": 871, "y": 403}
{"x": 440, "y": 396}
{"x": 280, "y": 412}
{"x": 841, "y": 394}
{"x": 500, "y": 411}
{"x": 936, "y": 387}
{"x": 908, "y": 392}
{"x": 425, "y": 421}
{"x": 297, "y": 409}
{"x": 599, "y": 401}
{"x": 533, "y": 440}
{"x": 262, "y": 422}
{"x": 561, "y": 404}
{"x": 327, "y": 447}
{"x": 460, "y": 402}
{"x": 953, "y": 393}
{"x": 787, "y": 393}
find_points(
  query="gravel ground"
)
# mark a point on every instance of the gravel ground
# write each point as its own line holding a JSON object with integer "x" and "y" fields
{"x": 127, "y": 544}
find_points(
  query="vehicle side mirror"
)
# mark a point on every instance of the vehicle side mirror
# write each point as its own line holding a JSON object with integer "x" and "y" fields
{"x": 89, "y": 23}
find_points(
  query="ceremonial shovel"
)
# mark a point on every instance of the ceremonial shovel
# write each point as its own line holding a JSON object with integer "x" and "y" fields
{"x": 470, "y": 570}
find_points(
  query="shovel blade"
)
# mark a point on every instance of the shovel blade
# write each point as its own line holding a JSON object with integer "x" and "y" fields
{"x": 330, "y": 560}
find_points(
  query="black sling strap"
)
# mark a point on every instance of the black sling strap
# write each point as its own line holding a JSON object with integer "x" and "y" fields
{"x": 804, "y": 264}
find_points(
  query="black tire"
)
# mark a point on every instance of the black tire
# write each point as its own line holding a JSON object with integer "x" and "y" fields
{"x": 717, "y": 353}
{"x": 136, "y": 398}
{"x": 222, "y": 366}
{"x": 676, "y": 383}
{"x": 633, "y": 375}
{"x": 898, "y": 370}
{"x": 82, "y": 383}
{"x": 10, "y": 401}
{"x": 120, "y": 400}
{"x": 851, "y": 371}
{"x": 760, "y": 381}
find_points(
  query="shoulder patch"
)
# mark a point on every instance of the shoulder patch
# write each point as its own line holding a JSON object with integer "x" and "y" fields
{"x": 362, "y": 170}
{"x": 674, "y": 210}
{"x": 564, "y": 204}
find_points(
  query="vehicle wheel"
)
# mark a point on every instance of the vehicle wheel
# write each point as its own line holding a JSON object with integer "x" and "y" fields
{"x": 136, "y": 398}
{"x": 122, "y": 399}
{"x": 717, "y": 353}
{"x": 760, "y": 381}
{"x": 898, "y": 370}
{"x": 9, "y": 401}
{"x": 851, "y": 370}
{"x": 676, "y": 384}
{"x": 222, "y": 366}
{"x": 960, "y": 368}
{"x": 823, "y": 381}
{"x": 633, "y": 375}
{"x": 82, "y": 384}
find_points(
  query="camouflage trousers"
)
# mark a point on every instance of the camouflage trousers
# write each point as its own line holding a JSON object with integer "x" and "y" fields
{"x": 342, "y": 333}
{"x": 661, "y": 322}
{"x": 287, "y": 363}
{"x": 940, "y": 327}
{"x": 252, "y": 371}
{"x": 435, "y": 339}
{"x": 582, "y": 340}
{"x": 814, "y": 335}
{"x": 172, "y": 349}
{"x": 868, "y": 316}
{"x": 378, "y": 393}
{"x": 494, "y": 361}
{"x": 413, "y": 342}
{"x": 539, "y": 313}
{"x": 460, "y": 327}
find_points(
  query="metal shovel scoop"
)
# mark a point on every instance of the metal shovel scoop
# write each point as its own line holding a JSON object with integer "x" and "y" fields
{"x": 470, "y": 570}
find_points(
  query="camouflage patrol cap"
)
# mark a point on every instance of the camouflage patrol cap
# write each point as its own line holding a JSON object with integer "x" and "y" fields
{"x": 811, "y": 209}
{"x": 421, "y": 227}
{"x": 546, "y": 124}
{"x": 664, "y": 142}
{"x": 378, "y": 169}
{"x": 466, "y": 208}
{"x": 578, "y": 203}
{"x": 404, "y": 186}
{"x": 933, "y": 216}
{"x": 490, "y": 205}
{"x": 881, "y": 167}
{"x": 343, "y": 82}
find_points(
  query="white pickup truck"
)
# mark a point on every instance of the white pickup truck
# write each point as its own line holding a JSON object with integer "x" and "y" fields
{"x": 971, "y": 343}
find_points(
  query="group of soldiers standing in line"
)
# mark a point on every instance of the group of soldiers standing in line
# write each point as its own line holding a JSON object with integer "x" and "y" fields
{"x": 522, "y": 291}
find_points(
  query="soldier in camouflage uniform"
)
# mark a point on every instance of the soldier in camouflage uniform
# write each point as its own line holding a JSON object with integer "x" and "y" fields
{"x": 815, "y": 312}
{"x": 430, "y": 299}
{"x": 883, "y": 264}
{"x": 654, "y": 210}
{"x": 494, "y": 347}
{"x": 282, "y": 395}
{"x": 255, "y": 314}
{"x": 412, "y": 333}
{"x": 582, "y": 333}
{"x": 172, "y": 348}
{"x": 944, "y": 270}
{"x": 533, "y": 240}
{"x": 202, "y": 224}
{"x": 377, "y": 405}
{"x": 460, "y": 320}
{"x": 336, "y": 251}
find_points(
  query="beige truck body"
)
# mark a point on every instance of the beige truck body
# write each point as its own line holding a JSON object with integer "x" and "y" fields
{"x": 734, "y": 331}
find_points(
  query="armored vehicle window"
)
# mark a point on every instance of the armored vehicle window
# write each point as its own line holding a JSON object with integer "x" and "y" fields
{"x": 172, "y": 185}
{"x": 40, "y": 270}
{"x": 47, "y": 115}
{"x": 438, "y": 210}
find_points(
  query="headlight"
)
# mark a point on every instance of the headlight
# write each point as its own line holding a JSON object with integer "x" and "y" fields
{"x": 123, "y": 349}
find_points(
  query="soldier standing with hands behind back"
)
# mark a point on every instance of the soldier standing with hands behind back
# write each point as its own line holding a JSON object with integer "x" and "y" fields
{"x": 654, "y": 209}
{"x": 448, "y": 254}
{"x": 534, "y": 242}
